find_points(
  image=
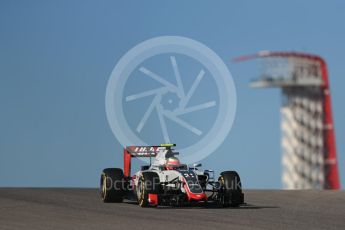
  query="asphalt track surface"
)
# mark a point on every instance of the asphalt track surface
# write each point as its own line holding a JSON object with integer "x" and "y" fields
{"x": 59, "y": 208}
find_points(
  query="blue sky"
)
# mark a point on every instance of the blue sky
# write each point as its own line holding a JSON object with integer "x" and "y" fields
{"x": 56, "y": 58}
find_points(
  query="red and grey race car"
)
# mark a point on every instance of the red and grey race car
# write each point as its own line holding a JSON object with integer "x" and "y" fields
{"x": 165, "y": 181}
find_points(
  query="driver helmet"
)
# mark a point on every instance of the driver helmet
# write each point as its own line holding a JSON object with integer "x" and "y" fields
{"x": 172, "y": 162}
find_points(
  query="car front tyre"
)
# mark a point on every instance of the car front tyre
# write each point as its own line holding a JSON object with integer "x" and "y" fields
{"x": 148, "y": 183}
{"x": 230, "y": 194}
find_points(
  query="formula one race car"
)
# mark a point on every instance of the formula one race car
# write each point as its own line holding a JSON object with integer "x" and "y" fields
{"x": 165, "y": 181}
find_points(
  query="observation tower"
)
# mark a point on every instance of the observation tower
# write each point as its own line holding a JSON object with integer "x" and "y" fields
{"x": 309, "y": 158}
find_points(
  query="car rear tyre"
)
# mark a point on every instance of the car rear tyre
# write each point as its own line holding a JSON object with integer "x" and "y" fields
{"x": 230, "y": 194}
{"x": 148, "y": 183}
{"x": 112, "y": 185}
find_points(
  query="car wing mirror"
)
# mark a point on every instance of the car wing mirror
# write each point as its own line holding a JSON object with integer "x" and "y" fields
{"x": 197, "y": 165}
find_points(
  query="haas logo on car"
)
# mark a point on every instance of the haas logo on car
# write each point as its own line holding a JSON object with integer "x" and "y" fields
{"x": 145, "y": 151}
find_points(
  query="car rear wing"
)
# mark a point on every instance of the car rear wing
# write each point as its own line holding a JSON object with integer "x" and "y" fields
{"x": 141, "y": 151}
